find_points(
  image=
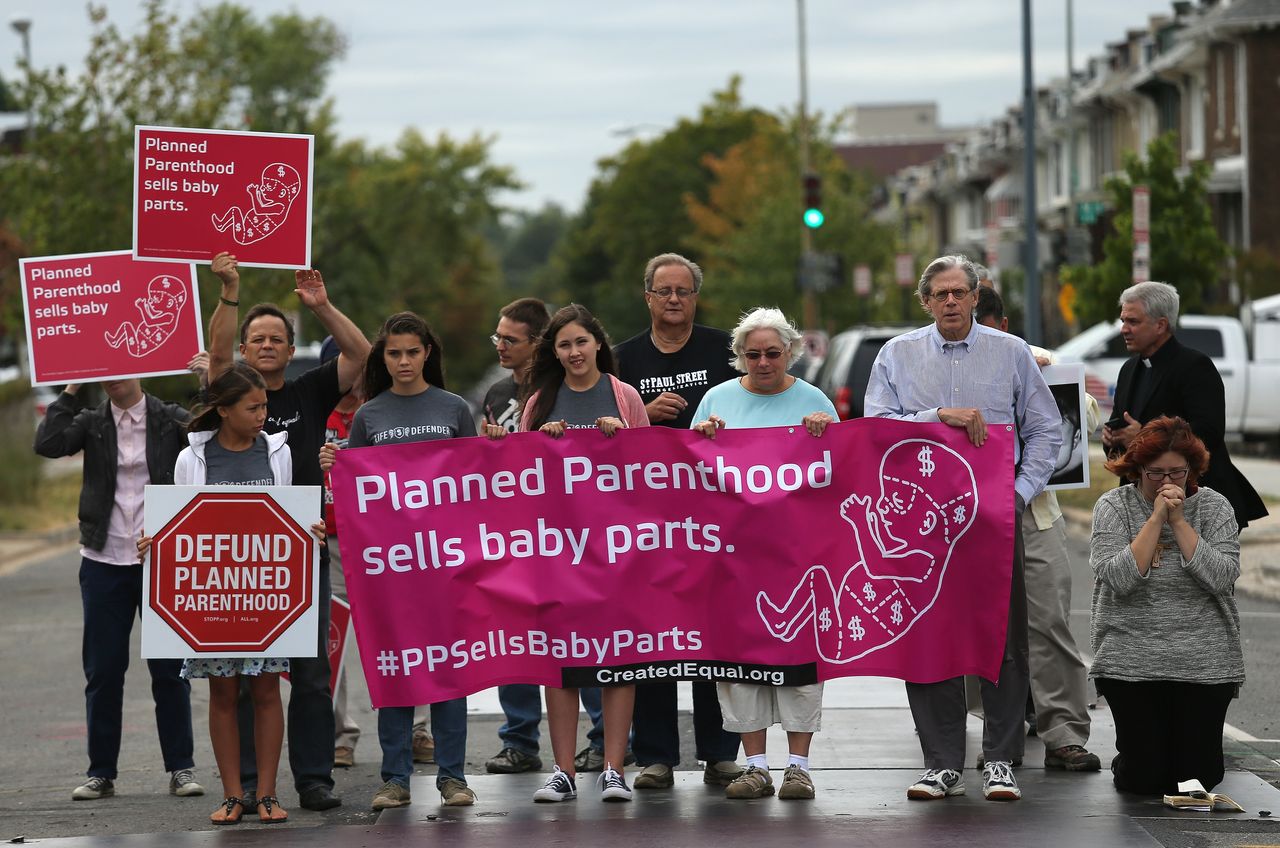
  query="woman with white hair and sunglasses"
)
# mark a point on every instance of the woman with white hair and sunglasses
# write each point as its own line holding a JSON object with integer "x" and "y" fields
{"x": 764, "y": 344}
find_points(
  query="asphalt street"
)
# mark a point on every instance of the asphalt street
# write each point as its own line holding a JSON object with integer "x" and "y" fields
{"x": 42, "y": 701}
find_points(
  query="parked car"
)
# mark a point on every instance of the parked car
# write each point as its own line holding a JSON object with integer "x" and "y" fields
{"x": 805, "y": 366}
{"x": 846, "y": 370}
{"x": 1246, "y": 352}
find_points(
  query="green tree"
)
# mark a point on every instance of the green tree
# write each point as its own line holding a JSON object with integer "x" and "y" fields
{"x": 749, "y": 230}
{"x": 525, "y": 241}
{"x": 1186, "y": 251}
{"x": 405, "y": 229}
{"x": 401, "y": 228}
{"x": 222, "y": 68}
{"x": 636, "y": 208}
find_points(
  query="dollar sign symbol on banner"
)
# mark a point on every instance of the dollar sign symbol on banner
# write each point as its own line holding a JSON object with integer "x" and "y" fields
{"x": 926, "y": 461}
{"x": 896, "y": 612}
{"x": 868, "y": 592}
{"x": 824, "y": 619}
{"x": 856, "y": 630}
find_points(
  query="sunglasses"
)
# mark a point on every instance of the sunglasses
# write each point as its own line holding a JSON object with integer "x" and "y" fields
{"x": 770, "y": 354}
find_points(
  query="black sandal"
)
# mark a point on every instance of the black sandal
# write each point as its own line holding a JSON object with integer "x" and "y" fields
{"x": 230, "y": 803}
{"x": 270, "y": 801}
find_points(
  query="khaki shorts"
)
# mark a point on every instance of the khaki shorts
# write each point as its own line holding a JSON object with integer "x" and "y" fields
{"x": 748, "y": 707}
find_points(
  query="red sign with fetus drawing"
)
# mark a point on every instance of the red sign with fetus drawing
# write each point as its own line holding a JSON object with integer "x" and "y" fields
{"x": 105, "y": 316}
{"x": 197, "y": 192}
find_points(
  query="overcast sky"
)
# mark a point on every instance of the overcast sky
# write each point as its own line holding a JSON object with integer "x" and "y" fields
{"x": 558, "y": 82}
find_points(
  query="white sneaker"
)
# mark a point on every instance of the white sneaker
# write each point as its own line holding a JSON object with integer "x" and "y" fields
{"x": 559, "y": 787}
{"x": 936, "y": 783}
{"x": 612, "y": 785}
{"x": 998, "y": 782}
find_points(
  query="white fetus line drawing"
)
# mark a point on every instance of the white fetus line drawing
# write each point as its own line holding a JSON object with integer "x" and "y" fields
{"x": 160, "y": 309}
{"x": 270, "y": 200}
{"x": 928, "y": 500}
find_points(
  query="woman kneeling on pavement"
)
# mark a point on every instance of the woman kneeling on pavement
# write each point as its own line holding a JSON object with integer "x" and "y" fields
{"x": 1166, "y": 633}
{"x": 764, "y": 344}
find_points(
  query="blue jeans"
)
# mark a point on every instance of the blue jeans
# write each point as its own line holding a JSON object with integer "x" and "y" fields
{"x": 310, "y": 719}
{"x": 448, "y": 726}
{"x": 522, "y": 705}
{"x": 656, "y": 725}
{"x": 112, "y": 598}
{"x": 593, "y": 703}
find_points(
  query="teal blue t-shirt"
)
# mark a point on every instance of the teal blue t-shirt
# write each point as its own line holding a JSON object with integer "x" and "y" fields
{"x": 740, "y": 408}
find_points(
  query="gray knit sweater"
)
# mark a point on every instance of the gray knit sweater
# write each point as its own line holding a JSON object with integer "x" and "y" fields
{"x": 1180, "y": 621}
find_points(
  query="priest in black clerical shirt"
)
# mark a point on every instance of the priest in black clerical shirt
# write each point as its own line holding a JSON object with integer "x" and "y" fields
{"x": 1166, "y": 378}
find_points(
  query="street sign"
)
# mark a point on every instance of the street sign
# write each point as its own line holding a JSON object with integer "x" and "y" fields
{"x": 905, "y": 269}
{"x": 862, "y": 280}
{"x": 230, "y": 573}
{"x": 1141, "y": 234}
{"x": 819, "y": 272}
{"x": 1089, "y": 211}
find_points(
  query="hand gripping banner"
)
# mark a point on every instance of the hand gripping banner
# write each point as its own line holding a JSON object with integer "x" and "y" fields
{"x": 764, "y": 556}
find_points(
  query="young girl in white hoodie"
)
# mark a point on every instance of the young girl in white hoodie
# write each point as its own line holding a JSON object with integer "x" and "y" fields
{"x": 228, "y": 448}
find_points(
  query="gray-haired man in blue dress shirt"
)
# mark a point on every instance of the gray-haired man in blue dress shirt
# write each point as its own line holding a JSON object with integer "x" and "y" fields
{"x": 960, "y": 373}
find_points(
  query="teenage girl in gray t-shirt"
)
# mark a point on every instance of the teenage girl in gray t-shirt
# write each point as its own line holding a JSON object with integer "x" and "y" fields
{"x": 407, "y": 402}
{"x": 572, "y": 384}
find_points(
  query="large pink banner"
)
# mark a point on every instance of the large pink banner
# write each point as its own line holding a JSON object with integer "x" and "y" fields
{"x": 765, "y": 556}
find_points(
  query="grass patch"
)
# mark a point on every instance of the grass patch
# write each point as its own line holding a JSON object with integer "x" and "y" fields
{"x": 1101, "y": 481}
{"x": 56, "y": 502}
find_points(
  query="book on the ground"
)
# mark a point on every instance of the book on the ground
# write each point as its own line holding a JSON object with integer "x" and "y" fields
{"x": 1192, "y": 796}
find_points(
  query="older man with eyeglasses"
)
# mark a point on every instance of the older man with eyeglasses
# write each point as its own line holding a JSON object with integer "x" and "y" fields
{"x": 672, "y": 364}
{"x": 961, "y": 373}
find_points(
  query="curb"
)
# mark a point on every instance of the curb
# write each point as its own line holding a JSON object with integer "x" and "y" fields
{"x": 19, "y": 548}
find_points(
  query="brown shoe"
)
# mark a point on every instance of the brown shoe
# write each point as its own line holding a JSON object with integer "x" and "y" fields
{"x": 797, "y": 785}
{"x": 752, "y": 783}
{"x": 1072, "y": 758}
{"x": 455, "y": 793}
{"x": 424, "y": 747}
{"x": 344, "y": 756}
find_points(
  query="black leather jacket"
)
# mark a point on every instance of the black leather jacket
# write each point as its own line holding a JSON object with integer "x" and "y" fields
{"x": 68, "y": 429}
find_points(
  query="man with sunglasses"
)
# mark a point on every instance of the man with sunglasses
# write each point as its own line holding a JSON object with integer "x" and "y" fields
{"x": 1163, "y": 377}
{"x": 672, "y": 364}
{"x": 966, "y": 375}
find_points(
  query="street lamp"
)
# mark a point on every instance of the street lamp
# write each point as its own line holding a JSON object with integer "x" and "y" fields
{"x": 22, "y": 26}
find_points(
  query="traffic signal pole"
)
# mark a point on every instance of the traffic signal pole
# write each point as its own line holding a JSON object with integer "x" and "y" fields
{"x": 809, "y": 304}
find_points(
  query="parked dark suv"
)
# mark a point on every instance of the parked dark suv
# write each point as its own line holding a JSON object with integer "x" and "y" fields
{"x": 847, "y": 369}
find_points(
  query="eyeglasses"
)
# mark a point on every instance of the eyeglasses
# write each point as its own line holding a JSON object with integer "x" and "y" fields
{"x": 947, "y": 294}
{"x": 1160, "y": 476}
{"x": 770, "y": 354}
{"x": 665, "y": 293}
{"x": 509, "y": 341}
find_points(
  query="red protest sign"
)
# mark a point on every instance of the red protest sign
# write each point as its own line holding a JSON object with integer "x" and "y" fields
{"x": 336, "y": 641}
{"x": 231, "y": 572}
{"x": 105, "y": 316}
{"x": 197, "y": 192}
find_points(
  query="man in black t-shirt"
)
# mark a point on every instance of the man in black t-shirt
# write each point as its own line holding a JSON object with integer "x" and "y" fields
{"x": 672, "y": 365}
{"x": 520, "y": 325}
{"x": 301, "y": 407}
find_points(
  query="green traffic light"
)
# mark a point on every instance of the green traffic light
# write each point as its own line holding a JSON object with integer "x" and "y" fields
{"x": 813, "y": 218}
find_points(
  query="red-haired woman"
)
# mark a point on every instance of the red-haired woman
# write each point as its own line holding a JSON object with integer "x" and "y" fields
{"x": 1166, "y": 633}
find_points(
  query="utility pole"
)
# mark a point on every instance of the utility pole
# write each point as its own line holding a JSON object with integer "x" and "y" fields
{"x": 1030, "y": 253}
{"x": 22, "y": 26}
{"x": 809, "y": 305}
